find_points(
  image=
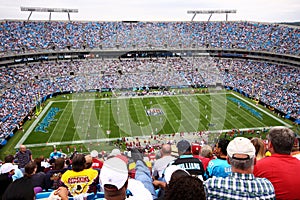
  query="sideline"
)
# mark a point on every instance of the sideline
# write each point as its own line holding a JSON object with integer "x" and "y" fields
{"x": 33, "y": 125}
{"x": 258, "y": 108}
{"x": 142, "y": 137}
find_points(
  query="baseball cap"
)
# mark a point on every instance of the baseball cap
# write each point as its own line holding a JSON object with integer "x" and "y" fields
{"x": 114, "y": 172}
{"x": 114, "y": 152}
{"x": 94, "y": 154}
{"x": 240, "y": 145}
{"x": 7, "y": 167}
{"x": 196, "y": 148}
{"x": 170, "y": 170}
{"x": 183, "y": 145}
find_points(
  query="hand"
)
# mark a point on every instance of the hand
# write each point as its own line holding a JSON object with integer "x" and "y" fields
{"x": 62, "y": 192}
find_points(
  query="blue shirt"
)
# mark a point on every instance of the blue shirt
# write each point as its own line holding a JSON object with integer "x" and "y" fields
{"x": 55, "y": 155}
{"x": 218, "y": 167}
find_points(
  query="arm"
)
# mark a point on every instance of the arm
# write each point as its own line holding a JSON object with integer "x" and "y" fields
{"x": 143, "y": 174}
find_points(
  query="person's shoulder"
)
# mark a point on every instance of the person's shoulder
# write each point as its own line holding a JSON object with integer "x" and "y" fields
{"x": 214, "y": 181}
{"x": 40, "y": 174}
{"x": 90, "y": 171}
{"x": 68, "y": 172}
{"x": 263, "y": 180}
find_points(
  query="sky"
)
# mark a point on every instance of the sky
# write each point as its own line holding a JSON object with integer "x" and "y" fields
{"x": 156, "y": 10}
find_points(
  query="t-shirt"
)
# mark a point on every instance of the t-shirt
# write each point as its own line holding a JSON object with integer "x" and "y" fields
{"x": 283, "y": 172}
{"x": 161, "y": 164}
{"x": 23, "y": 158}
{"x": 192, "y": 165}
{"x": 97, "y": 164}
{"x": 218, "y": 167}
{"x": 79, "y": 182}
{"x": 55, "y": 155}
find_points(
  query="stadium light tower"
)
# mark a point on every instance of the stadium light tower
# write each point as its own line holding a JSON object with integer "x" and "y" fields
{"x": 50, "y": 10}
{"x": 211, "y": 12}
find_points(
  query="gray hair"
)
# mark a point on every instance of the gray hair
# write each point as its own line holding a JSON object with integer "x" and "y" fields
{"x": 241, "y": 164}
{"x": 166, "y": 149}
{"x": 282, "y": 139}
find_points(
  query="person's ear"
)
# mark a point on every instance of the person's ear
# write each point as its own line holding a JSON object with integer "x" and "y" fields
{"x": 227, "y": 158}
{"x": 270, "y": 146}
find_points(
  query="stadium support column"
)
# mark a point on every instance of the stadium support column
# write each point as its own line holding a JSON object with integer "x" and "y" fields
{"x": 29, "y": 16}
{"x": 195, "y": 12}
{"x": 50, "y": 10}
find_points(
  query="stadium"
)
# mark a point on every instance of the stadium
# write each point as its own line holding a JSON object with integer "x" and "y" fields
{"x": 81, "y": 84}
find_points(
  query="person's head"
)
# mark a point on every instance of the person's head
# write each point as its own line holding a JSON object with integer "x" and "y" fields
{"x": 30, "y": 168}
{"x": 114, "y": 153}
{"x": 281, "y": 140}
{"x": 173, "y": 172}
{"x": 9, "y": 159}
{"x": 78, "y": 162}
{"x": 59, "y": 163}
{"x": 260, "y": 148}
{"x": 7, "y": 168}
{"x": 221, "y": 147}
{"x": 185, "y": 187}
{"x": 94, "y": 154}
{"x": 184, "y": 147}
{"x": 166, "y": 150}
{"x": 38, "y": 161}
{"x": 241, "y": 155}
{"x": 206, "y": 151}
{"x": 88, "y": 161}
{"x": 114, "y": 179}
{"x": 22, "y": 148}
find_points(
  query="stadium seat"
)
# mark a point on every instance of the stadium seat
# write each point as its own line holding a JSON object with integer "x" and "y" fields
{"x": 99, "y": 195}
{"x": 42, "y": 195}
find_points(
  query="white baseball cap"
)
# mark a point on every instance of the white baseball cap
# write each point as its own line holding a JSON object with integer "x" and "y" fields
{"x": 115, "y": 152}
{"x": 94, "y": 154}
{"x": 240, "y": 145}
{"x": 7, "y": 167}
{"x": 170, "y": 170}
{"x": 114, "y": 172}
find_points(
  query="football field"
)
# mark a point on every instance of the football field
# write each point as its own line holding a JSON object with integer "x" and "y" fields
{"x": 83, "y": 118}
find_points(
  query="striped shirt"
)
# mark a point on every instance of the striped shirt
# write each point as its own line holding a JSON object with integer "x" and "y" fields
{"x": 239, "y": 186}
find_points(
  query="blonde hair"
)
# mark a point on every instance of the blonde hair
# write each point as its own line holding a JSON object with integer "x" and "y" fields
{"x": 260, "y": 148}
{"x": 206, "y": 151}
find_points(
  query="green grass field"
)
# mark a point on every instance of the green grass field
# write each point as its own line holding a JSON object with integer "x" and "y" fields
{"x": 84, "y": 120}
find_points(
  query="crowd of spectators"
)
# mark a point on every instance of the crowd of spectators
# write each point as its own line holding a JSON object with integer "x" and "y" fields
{"x": 24, "y": 86}
{"x": 232, "y": 172}
{"x": 20, "y": 36}
{"x": 275, "y": 85}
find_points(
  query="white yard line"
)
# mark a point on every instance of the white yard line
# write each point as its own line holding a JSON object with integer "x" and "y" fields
{"x": 33, "y": 125}
{"x": 143, "y": 128}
